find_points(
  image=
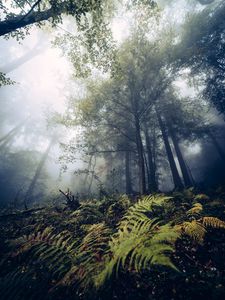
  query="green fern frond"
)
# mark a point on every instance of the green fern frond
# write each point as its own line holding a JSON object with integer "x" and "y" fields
{"x": 91, "y": 257}
{"x": 137, "y": 213}
{"x": 57, "y": 251}
{"x": 139, "y": 241}
{"x": 87, "y": 214}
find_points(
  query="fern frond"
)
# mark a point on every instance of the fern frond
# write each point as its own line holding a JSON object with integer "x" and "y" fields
{"x": 87, "y": 214}
{"x": 195, "y": 210}
{"x": 139, "y": 241}
{"x": 200, "y": 197}
{"x": 57, "y": 251}
{"x": 194, "y": 229}
{"x": 90, "y": 259}
{"x": 137, "y": 213}
{"x": 213, "y": 222}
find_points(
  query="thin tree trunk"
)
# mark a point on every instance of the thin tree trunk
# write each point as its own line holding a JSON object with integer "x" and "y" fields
{"x": 92, "y": 176}
{"x": 183, "y": 167}
{"x": 128, "y": 173}
{"x": 88, "y": 170}
{"x": 151, "y": 174}
{"x": 141, "y": 161}
{"x": 176, "y": 177}
{"x": 38, "y": 171}
{"x": 217, "y": 146}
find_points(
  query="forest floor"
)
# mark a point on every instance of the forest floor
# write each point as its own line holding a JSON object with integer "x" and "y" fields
{"x": 156, "y": 247}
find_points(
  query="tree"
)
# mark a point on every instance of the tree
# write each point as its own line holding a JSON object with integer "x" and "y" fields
{"x": 44, "y": 10}
{"x": 30, "y": 190}
{"x": 138, "y": 113}
{"x": 202, "y": 50}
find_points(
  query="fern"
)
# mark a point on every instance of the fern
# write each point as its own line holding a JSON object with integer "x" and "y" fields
{"x": 213, "y": 222}
{"x": 196, "y": 229}
{"x": 87, "y": 214}
{"x": 202, "y": 197}
{"x": 139, "y": 241}
{"x": 144, "y": 206}
{"x": 193, "y": 229}
{"x": 48, "y": 253}
{"x": 55, "y": 250}
{"x": 91, "y": 257}
{"x": 196, "y": 210}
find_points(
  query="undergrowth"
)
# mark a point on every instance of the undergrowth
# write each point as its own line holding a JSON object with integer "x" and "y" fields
{"x": 156, "y": 247}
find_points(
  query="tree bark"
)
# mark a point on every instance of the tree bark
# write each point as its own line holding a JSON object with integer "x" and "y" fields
{"x": 176, "y": 177}
{"x": 152, "y": 183}
{"x": 141, "y": 161}
{"x": 217, "y": 146}
{"x": 183, "y": 167}
{"x": 128, "y": 173}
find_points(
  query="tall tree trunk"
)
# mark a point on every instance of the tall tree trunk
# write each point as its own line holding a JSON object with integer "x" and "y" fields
{"x": 128, "y": 173}
{"x": 152, "y": 183}
{"x": 217, "y": 146}
{"x": 183, "y": 167}
{"x": 88, "y": 170}
{"x": 92, "y": 176}
{"x": 37, "y": 174}
{"x": 141, "y": 161}
{"x": 176, "y": 177}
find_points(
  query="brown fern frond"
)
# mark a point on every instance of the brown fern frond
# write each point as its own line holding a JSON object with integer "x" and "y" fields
{"x": 213, "y": 222}
{"x": 194, "y": 229}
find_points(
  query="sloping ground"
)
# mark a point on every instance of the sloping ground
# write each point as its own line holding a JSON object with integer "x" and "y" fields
{"x": 156, "y": 247}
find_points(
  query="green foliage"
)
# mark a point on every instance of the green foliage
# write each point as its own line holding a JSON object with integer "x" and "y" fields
{"x": 194, "y": 226}
{"x": 43, "y": 252}
{"x": 140, "y": 241}
{"x": 57, "y": 253}
{"x": 5, "y": 80}
{"x": 87, "y": 214}
{"x": 91, "y": 257}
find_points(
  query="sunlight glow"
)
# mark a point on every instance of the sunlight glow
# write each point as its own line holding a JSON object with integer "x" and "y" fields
{"x": 193, "y": 149}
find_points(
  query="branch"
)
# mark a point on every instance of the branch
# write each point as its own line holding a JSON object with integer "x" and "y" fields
{"x": 110, "y": 151}
{"x": 32, "y": 8}
{"x": 71, "y": 202}
{"x": 120, "y": 131}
